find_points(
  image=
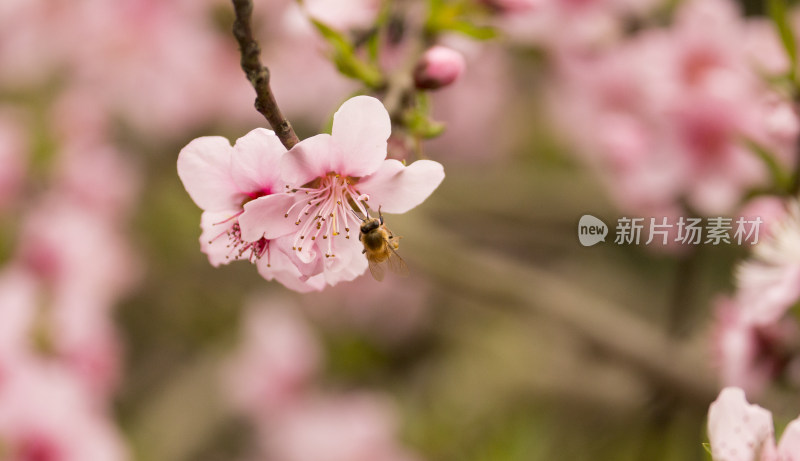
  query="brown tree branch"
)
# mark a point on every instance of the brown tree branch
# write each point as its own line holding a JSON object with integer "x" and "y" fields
{"x": 258, "y": 74}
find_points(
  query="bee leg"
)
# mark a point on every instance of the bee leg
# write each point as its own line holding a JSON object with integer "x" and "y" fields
{"x": 359, "y": 236}
{"x": 379, "y": 213}
{"x": 363, "y": 251}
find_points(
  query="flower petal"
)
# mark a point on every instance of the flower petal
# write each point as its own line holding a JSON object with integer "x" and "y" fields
{"x": 737, "y": 430}
{"x": 789, "y": 447}
{"x": 397, "y": 188}
{"x": 266, "y": 217}
{"x": 255, "y": 166}
{"x": 278, "y": 265}
{"x": 361, "y": 128}
{"x": 348, "y": 264}
{"x": 214, "y": 240}
{"x": 204, "y": 168}
{"x": 307, "y": 160}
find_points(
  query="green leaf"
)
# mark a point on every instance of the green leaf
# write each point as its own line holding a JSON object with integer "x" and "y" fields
{"x": 419, "y": 123}
{"x": 779, "y": 176}
{"x": 455, "y": 17}
{"x": 474, "y": 31}
{"x": 345, "y": 58}
{"x": 779, "y": 12}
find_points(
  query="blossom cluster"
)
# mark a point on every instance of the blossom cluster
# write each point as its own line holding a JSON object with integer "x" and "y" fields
{"x": 672, "y": 118}
{"x": 752, "y": 330}
{"x": 59, "y": 349}
{"x": 297, "y": 214}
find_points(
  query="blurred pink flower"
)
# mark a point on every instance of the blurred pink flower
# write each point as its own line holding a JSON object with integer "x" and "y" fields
{"x": 66, "y": 270}
{"x": 440, "y": 66}
{"x": 568, "y": 26}
{"x": 35, "y": 324}
{"x": 221, "y": 179}
{"x": 19, "y": 296}
{"x": 275, "y": 363}
{"x": 475, "y": 105}
{"x": 769, "y": 208}
{"x": 748, "y": 355}
{"x": 739, "y": 431}
{"x": 357, "y": 427}
{"x": 390, "y": 312}
{"x": 344, "y": 14}
{"x": 46, "y": 415}
{"x": 768, "y": 284}
{"x": 663, "y": 116}
{"x": 325, "y": 176}
{"x": 98, "y": 177}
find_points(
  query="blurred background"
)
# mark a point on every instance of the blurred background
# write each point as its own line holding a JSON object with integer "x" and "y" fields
{"x": 508, "y": 341}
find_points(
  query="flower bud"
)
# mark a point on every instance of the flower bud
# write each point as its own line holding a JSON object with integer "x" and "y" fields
{"x": 440, "y": 66}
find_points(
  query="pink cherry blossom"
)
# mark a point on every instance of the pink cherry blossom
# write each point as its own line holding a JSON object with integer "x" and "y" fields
{"x": 664, "y": 115}
{"x": 221, "y": 179}
{"x": 276, "y": 362}
{"x": 344, "y": 15}
{"x": 357, "y": 427}
{"x": 567, "y": 26}
{"x": 485, "y": 84}
{"x": 746, "y": 354}
{"x": 71, "y": 277}
{"x": 739, "y": 431}
{"x": 46, "y": 415}
{"x": 328, "y": 176}
{"x": 389, "y": 313}
{"x": 768, "y": 284}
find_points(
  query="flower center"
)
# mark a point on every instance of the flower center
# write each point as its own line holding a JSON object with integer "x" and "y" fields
{"x": 326, "y": 210}
{"x": 242, "y": 249}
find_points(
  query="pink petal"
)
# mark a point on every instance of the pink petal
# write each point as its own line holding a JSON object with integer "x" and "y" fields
{"x": 204, "y": 167}
{"x": 348, "y": 264}
{"x": 214, "y": 239}
{"x": 255, "y": 166}
{"x": 737, "y": 430}
{"x": 266, "y": 217}
{"x": 397, "y": 188}
{"x": 789, "y": 447}
{"x": 766, "y": 292}
{"x": 361, "y": 128}
{"x": 309, "y": 159}
{"x": 278, "y": 265}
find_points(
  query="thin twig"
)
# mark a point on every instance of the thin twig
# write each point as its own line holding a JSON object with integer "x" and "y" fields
{"x": 258, "y": 74}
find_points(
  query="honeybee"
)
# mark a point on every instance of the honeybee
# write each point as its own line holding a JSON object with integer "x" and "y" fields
{"x": 381, "y": 245}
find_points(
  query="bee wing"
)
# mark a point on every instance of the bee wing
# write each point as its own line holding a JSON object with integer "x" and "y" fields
{"x": 396, "y": 263}
{"x": 376, "y": 270}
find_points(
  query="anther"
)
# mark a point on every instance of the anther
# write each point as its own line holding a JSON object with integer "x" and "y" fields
{"x": 324, "y": 236}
